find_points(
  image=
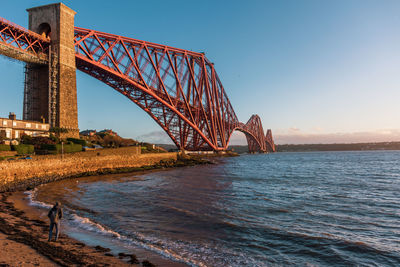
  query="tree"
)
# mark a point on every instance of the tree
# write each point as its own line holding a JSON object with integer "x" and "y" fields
{"x": 58, "y": 130}
{"x": 26, "y": 139}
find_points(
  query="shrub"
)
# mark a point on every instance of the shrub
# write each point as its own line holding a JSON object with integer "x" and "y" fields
{"x": 26, "y": 139}
{"x": 58, "y": 130}
{"x": 23, "y": 149}
{"x": 109, "y": 141}
{"x": 77, "y": 141}
{"x": 5, "y": 148}
{"x": 48, "y": 147}
{"x": 54, "y": 138}
{"x": 58, "y": 148}
{"x": 38, "y": 141}
{"x": 70, "y": 148}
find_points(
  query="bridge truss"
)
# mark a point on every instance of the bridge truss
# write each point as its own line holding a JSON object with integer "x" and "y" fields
{"x": 21, "y": 44}
{"x": 179, "y": 89}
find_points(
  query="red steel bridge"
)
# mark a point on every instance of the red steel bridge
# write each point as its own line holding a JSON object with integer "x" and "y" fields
{"x": 179, "y": 89}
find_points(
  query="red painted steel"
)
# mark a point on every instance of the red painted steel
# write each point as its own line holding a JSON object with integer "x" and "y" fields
{"x": 179, "y": 89}
{"x": 270, "y": 141}
{"x": 254, "y": 134}
{"x": 17, "y": 37}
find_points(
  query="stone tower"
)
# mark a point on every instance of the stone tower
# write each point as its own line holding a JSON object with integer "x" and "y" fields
{"x": 50, "y": 91}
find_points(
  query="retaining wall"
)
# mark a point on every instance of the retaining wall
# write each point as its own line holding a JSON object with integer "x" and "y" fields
{"x": 20, "y": 174}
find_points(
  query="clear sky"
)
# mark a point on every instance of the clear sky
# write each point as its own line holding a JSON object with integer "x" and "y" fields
{"x": 315, "y": 71}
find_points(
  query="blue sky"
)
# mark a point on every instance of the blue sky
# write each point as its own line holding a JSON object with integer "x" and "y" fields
{"x": 315, "y": 71}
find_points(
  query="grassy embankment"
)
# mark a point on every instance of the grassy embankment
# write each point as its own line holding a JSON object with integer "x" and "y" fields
{"x": 23, "y": 174}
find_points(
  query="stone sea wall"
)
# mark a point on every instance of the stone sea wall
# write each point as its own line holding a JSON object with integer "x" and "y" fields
{"x": 24, "y": 174}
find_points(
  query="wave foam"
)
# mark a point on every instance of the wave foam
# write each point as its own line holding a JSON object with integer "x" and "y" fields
{"x": 33, "y": 202}
{"x": 87, "y": 224}
{"x": 139, "y": 239}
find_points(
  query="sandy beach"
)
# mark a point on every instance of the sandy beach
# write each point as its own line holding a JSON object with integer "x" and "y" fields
{"x": 24, "y": 228}
{"x": 23, "y": 241}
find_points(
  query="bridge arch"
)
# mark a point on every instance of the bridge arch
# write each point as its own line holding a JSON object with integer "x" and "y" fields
{"x": 254, "y": 133}
{"x": 144, "y": 98}
{"x": 252, "y": 142}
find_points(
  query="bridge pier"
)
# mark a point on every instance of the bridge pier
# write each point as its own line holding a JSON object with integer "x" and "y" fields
{"x": 50, "y": 90}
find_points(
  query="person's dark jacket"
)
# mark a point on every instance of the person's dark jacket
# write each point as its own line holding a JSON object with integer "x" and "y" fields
{"x": 55, "y": 214}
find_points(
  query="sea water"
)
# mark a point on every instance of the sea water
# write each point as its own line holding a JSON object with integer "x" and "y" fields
{"x": 282, "y": 209}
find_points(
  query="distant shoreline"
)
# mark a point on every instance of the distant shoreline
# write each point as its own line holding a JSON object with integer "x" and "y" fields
{"x": 328, "y": 147}
{"x": 339, "y": 147}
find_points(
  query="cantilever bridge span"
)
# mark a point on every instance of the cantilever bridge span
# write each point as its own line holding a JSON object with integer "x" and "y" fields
{"x": 179, "y": 89}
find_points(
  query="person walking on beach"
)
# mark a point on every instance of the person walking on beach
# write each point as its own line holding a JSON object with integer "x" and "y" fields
{"x": 55, "y": 215}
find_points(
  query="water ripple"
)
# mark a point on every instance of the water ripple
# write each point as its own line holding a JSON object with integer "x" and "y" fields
{"x": 302, "y": 209}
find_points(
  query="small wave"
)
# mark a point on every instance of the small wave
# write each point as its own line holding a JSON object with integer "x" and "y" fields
{"x": 339, "y": 196}
{"x": 137, "y": 240}
{"x": 91, "y": 226}
{"x": 184, "y": 211}
{"x": 277, "y": 210}
{"x": 359, "y": 243}
{"x": 33, "y": 202}
{"x": 349, "y": 243}
{"x": 87, "y": 224}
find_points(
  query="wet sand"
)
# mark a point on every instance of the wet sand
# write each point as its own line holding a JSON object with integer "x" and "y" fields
{"x": 24, "y": 232}
{"x": 23, "y": 242}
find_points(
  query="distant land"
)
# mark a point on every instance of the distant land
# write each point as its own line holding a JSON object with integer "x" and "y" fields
{"x": 339, "y": 147}
{"x": 314, "y": 147}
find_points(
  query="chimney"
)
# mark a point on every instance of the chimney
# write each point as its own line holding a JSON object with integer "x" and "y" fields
{"x": 12, "y": 116}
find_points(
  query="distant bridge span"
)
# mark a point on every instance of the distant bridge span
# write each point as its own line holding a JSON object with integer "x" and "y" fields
{"x": 179, "y": 89}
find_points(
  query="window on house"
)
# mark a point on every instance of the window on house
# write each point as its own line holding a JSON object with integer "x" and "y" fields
{"x": 5, "y": 123}
{"x": 8, "y": 134}
{"x": 14, "y": 123}
{"x": 16, "y": 134}
{"x": 28, "y": 125}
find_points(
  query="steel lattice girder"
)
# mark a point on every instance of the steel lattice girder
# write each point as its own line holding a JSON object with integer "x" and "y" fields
{"x": 22, "y": 44}
{"x": 270, "y": 141}
{"x": 179, "y": 89}
{"x": 254, "y": 134}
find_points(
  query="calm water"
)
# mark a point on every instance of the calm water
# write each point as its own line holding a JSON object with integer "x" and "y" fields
{"x": 302, "y": 209}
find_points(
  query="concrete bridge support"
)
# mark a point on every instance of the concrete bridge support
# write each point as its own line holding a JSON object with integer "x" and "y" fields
{"x": 50, "y": 90}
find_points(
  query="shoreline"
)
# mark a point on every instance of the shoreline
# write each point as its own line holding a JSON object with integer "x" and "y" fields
{"x": 23, "y": 231}
{"x": 24, "y": 239}
{"x": 29, "y": 183}
{"x": 26, "y": 227}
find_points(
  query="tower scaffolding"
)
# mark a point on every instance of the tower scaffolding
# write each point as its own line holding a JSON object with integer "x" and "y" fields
{"x": 30, "y": 92}
{"x": 53, "y": 78}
